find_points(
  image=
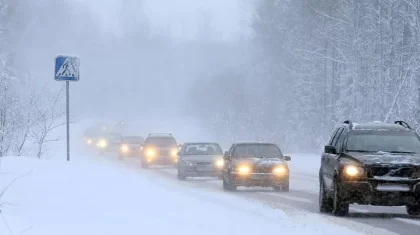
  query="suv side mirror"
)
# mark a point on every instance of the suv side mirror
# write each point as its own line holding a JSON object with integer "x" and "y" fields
{"x": 287, "y": 158}
{"x": 226, "y": 155}
{"x": 330, "y": 149}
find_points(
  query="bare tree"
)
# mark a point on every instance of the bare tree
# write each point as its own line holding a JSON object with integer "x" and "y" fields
{"x": 48, "y": 116}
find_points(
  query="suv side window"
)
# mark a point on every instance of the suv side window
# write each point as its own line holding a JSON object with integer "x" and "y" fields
{"x": 333, "y": 136}
{"x": 232, "y": 150}
{"x": 334, "y": 142}
{"x": 339, "y": 143}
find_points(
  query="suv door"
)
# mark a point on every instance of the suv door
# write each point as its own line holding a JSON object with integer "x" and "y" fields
{"x": 328, "y": 161}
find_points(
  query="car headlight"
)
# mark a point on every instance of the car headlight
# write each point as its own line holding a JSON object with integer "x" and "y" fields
{"x": 280, "y": 170}
{"x": 244, "y": 170}
{"x": 102, "y": 143}
{"x": 124, "y": 148}
{"x": 174, "y": 152}
{"x": 220, "y": 163}
{"x": 150, "y": 153}
{"x": 89, "y": 141}
{"x": 353, "y": 171}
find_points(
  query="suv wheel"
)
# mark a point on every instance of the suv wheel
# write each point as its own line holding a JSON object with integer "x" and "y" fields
{"x": 413, "y": 210}
{"x": 325, "y": 203}
{"x": 340, "y": 208}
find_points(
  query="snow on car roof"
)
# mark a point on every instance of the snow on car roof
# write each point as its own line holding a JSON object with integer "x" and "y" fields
{"x": 253, "y": 142}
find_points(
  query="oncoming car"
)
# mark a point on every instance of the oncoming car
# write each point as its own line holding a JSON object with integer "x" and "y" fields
{"x": 159, "y": 149}
{"x": 200, "y": 159}
{"x": 255, "y": 164}
{"x": 370, "y": 164}
{"x": 109, "y": 142}
{"x": 130, "y": 146}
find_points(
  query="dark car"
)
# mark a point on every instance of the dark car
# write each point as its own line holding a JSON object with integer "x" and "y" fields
{"x": 200, "y": 160}
{"x": 370, "y": 164}
{"x": 130, "y": 147}
{"x": 255, "y": 164}
{"x": 159, "y": 149}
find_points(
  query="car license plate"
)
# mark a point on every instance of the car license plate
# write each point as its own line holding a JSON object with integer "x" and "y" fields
{"x": 259, "y": 177}
{"x": 393, "y": 188}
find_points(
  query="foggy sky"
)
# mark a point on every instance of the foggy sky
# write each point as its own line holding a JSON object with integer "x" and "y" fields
{"x": 138, "y": 58}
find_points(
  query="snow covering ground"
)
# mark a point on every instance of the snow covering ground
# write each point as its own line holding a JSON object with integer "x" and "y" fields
{"x": 88, "y": 196}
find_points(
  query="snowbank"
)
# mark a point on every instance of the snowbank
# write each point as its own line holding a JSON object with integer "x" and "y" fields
{"x": 97, "y": 197}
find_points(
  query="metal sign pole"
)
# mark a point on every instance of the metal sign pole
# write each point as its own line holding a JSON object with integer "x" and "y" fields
{"x": 67, "y": 69}
{"x": 68, "y": 119}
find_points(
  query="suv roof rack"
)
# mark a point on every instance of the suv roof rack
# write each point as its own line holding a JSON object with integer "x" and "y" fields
{"x": 349, "y": 123}
{"x": 404, "y": 124}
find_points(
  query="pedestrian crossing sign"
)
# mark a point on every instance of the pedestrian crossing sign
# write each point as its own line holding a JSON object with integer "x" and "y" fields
{"x": 66, "y": 68}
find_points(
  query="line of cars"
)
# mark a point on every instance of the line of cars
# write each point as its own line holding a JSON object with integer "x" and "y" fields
{"x": 373, "y": 163}
{"x": 244, "y": 164}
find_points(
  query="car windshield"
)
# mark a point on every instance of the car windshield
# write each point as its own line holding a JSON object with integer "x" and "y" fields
{"x": 384, "y": 141}
{"x": 133, "y": 140}
{"x": 113, "y": 137}
{"x": 203, "y": 149}
{"x": 161, "y": 141}
{"x": 257, "y": 151}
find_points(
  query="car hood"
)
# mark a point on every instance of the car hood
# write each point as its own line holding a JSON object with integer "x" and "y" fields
{"x": 201, "y": 158}
{"x": 383, "y": 158}
{"x": 259, "y": 161}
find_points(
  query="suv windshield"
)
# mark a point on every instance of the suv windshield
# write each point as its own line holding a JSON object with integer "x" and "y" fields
{"x": 257, "y": 151}
{"x": 161, "y": 141}
{"x": 384, "y": 141}
{"x": 203, "y": 149}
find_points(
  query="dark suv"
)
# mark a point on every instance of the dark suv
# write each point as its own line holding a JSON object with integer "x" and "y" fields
{"x": 370, "y": 164}
{"x": 159, "y": 149}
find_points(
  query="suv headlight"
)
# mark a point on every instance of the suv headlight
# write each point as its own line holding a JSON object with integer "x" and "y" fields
{"x": 174, "y": 152}
{"x": 243, "y": 170}
{"x": 150, "y": 153}
{"x": 353, "y": 171}
{"x": 280, "y": 170}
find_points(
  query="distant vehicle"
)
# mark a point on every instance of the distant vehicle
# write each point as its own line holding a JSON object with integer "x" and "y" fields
{"x": 159, "y": 149}
{"x": 109, "y": 142}
{"x": 131, "y": 146}
{"x": 255, "y": 164}
{"x": 92, "y": 134}
{"x": 200, "y": 159}
{"x": 370, "y": 164}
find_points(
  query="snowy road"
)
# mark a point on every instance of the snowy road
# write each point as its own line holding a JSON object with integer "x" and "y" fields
{"x": 303, "y": 196}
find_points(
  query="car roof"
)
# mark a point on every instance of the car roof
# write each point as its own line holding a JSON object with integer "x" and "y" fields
{"x": 379, "y": 126}
{"x": 188, "y": 143}
{"x": 252, "y": 143}
{"x": 160, "y": 134}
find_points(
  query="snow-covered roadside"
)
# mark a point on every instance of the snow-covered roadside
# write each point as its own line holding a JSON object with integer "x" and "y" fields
{"x": 93, "y": 197}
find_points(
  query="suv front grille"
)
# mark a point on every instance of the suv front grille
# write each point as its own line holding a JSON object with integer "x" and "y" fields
{"x": 404, "y": 172}
{"x": 264, "y": 169}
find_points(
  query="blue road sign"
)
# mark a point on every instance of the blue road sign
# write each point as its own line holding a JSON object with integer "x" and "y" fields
{"x": 66, "y": 68}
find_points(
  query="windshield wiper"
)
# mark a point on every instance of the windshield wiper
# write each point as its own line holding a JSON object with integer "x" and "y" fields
{"x": 359, "y": 151}
{"x": 400, "y": 152}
